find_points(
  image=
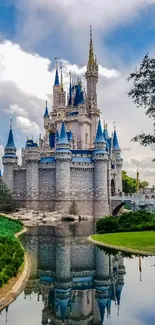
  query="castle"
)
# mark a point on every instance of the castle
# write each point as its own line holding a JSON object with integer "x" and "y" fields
{"x": 75, "y": 160}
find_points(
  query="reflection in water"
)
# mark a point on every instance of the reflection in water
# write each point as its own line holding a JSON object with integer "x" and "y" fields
{"x": 74, "y": 281}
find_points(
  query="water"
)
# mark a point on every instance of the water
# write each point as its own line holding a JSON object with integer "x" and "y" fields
{"x": 74, "y": 282}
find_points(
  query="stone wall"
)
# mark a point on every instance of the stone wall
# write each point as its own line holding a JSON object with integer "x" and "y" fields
{"x": 47, "y": 184}
{"x": 19, "y": 188}
{"x": 82, "y": 255}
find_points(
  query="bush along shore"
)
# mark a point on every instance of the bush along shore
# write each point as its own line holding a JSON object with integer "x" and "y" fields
{"x": 130, "y": 231}
{"x": 11, "y": 251}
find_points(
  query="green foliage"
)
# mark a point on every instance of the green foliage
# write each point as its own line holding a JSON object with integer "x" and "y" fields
{"x": 11, "y": 252}
{"x": 73, "y": 208}
{"x": 11, "y": 258}
{"x": 9, "y": 226}
{"x": 129, "y": 183}
{"x": 143, "y": 94}
{"x": 126, "y": 222}
{"x": 7, "y": 203}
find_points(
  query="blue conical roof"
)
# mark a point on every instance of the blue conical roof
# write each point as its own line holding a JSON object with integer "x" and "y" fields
{"x": 56, "y": 82}
{"x": 99, "y": 135}
{"x": 63, "y": 135}
{"x": 116, "y": 146}
{"x": 77, "y": 98}
{"x": 10, "y": 143}
{"x": 70, "y": 95}
{"x": 102, "y": 305}
{"x": 70, "y": 136}
{"x": 57, "y": 136}
{"x": 119, "y": 288}
{"x": 0, "y": 173}
{"x": 46, "y": 114}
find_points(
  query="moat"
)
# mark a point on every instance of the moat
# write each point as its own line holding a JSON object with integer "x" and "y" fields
{"x": 75, "y": 282}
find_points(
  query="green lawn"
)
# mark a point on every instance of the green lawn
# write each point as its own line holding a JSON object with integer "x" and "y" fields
{"x": 142, "y": 241}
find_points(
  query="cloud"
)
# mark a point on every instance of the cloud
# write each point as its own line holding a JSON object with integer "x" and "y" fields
{"x": 27, "y": 126}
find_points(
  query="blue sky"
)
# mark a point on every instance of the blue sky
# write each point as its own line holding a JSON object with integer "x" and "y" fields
{"x": 32, "y": 33}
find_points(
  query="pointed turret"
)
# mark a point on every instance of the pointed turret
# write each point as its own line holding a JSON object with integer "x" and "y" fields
{"x": 56, "y": 82}
{"x": 46, "y": 114}
{"x": 63, "y": 135}
{"x": 106, "y": 136}
{"x": 61, "y": 82}
{"x": 91, "y": 60}
{"x": 10, "y": 143}
{"x": 57, "y": 136}
{"x": 70, "y": 91}
{"x": 10, "y": 160}
{"x": 116, "y": 146}
{"x": 99, "y": 135}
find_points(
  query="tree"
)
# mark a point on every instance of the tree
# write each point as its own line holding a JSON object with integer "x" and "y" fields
{"x": 143, "y": 95}
{"x": 7, "y": 203}
{"x": 130, "y": 184}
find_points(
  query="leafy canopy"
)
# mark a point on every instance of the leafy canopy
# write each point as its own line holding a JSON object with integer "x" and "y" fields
{"x": 129, "y": 183}
{"x": 143, "y": 95}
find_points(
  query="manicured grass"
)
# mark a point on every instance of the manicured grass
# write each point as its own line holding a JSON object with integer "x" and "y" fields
{"x": 142, "y": 241}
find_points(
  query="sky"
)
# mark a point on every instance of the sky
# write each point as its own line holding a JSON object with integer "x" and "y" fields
{"x": 33, "y": 33}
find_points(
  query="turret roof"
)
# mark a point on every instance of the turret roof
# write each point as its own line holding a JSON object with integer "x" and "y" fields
{"x": 56, "y": 82}
{"x": 63, "y": 135}
{"x": 46, "y": 114}
{"x": 99, "y": 134}
{"x": 10, "y": 144}
{"x": 116, "y": 146}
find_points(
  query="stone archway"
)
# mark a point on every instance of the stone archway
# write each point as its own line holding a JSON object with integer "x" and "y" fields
{"x": 112, "y": 187}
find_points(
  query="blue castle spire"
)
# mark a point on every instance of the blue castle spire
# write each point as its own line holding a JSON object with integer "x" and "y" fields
{"x": 116, "y": 146}
{"x": 70, "y": 92}
{"x": 56, "y": 82}
{"x": 63, "y": 135}
{"x": 106, "y": 136}
{"x": 57, "y": 136}
{"x": 99, "y": 134}
{"x": 46, "y": 114}
{"x": 10, "y": 144}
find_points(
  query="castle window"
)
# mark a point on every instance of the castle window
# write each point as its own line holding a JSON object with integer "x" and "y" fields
{"x": 86, "y": 137}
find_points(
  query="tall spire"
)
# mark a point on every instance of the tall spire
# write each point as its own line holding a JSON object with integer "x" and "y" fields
{"x": 63, "y": 135}
{"x": 99, "y": 135}
{"x": 61, "y": 82}
{"x": 10, "y": 143}
{"x": 70, "y": 90}
{"x": 91, "y": 60}
{"x": 56, "y": 82}
{"x": 46, "y": 114}
{"x": 116, "y": 146}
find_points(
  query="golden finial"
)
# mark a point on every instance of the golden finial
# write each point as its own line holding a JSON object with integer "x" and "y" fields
{"x": 70, "y": 75}
{"x": 91, "y": 52}
{"x": 61, "y": 82}
{"x": 114, "y": 126}
{"x": 106, "y": 126}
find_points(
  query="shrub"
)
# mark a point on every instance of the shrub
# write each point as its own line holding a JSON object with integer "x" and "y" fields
{"x": 7, "y": 203}
{"x": 73, "y": 208}
{"x": 129, "y": 221}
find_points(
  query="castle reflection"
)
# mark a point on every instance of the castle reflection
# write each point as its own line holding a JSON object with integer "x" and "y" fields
{"x": 76, "y": 281}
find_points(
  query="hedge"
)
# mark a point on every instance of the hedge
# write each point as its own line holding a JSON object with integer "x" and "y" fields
{"x": 129, "y": 221}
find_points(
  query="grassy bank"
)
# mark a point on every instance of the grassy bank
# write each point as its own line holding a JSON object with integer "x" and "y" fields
{"x": 141, "y": 241}
{"x": 11, "y": 252}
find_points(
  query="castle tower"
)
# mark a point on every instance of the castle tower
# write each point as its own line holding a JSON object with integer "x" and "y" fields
{"x": 118, "y": 160}
{"x": 46, "y": 117}
{"x": 62, "y": 93}
{"x": 10, "y": 160}
{"x": 63, "y": 258}
{"x": 92, "y": 79}
{"x": 32, "y": 158}
{"x": 100, "y": 158}
{"x": 56, "y": 89}
{"x": 63, "y": 161}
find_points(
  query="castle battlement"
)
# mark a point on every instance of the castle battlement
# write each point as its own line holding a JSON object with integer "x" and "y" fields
{"x": 75, "y": 159}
